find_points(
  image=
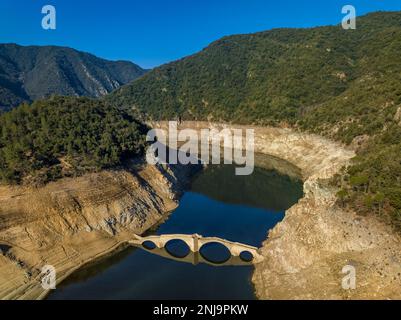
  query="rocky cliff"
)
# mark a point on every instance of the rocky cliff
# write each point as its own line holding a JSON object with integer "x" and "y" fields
{"x": 73, "y": 221}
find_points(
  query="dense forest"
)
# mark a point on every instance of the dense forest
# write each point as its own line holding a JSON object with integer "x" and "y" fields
{"x": 64, "y": 136}
{"x": 345, "y": 84}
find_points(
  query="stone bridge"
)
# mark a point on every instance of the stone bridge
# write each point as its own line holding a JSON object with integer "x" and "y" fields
{"x": 196, "y": 241}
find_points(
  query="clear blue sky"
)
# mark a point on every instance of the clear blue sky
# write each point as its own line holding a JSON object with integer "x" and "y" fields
{"x": 153, "y": 32}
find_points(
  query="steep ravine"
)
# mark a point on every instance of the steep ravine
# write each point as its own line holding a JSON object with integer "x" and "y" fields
{"x": 74, "y": 221}
{"x": 306, "y": 252}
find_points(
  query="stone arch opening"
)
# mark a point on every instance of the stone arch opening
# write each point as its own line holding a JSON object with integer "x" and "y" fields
{"x": 246, "y": 256}
{"x": 177, "y": 248}
{"x": 215, "y": 252}
{"x": 149, "y": 245}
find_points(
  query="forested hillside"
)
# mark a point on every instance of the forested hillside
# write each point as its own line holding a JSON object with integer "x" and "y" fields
{"x": 62, "y": 137}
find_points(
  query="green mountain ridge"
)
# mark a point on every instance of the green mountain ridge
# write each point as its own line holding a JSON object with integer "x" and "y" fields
{"x": 272, "y": 76}
{"x": 344, "y": 84}
{"x": 29, "y": 73}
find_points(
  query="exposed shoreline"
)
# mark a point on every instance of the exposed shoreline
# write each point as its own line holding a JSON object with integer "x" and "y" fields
{"x": 304, "y": 253}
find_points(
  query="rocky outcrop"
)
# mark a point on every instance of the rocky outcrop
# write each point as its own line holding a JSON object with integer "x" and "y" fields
{"x": 73, "y": 221}
{"x": 397, "y": 116}
{"x": 306, "y": 252}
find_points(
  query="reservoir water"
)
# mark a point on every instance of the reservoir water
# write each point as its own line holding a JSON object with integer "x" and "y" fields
{"x": 218, "y": 203}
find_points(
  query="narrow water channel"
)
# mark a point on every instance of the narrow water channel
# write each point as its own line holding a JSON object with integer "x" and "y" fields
{"x": 219, "y": 203}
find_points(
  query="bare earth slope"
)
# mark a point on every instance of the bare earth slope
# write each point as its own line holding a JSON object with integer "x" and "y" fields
{"x": 72, "y": 221}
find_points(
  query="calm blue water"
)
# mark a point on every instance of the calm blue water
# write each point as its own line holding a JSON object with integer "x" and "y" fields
{"x": 220, "y": 204}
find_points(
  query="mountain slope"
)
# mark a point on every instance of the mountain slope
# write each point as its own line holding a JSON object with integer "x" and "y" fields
{"x": 277, "y": 75}
{"x": 33, "y": 72}
{"x": 345, "y": 84}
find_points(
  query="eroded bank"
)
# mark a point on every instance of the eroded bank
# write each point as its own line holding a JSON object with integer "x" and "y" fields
{"x": 306, "y": 253}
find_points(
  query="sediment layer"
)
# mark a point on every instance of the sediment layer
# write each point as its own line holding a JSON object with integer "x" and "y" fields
{"x": 73, "y": 221}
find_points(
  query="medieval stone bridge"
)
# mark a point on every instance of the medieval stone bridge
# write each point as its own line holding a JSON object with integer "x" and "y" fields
{"x": 196, "y": 241}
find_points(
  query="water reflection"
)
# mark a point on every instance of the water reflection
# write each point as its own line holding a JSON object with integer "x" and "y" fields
{"x": 266, "y": 189}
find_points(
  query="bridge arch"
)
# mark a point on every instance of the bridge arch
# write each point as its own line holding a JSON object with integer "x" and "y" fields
{"x": 211, "y": 246}
{"x": 149, "y": 245}
{"x": 246, "y": 256}
{"x": 177, "y": 252}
